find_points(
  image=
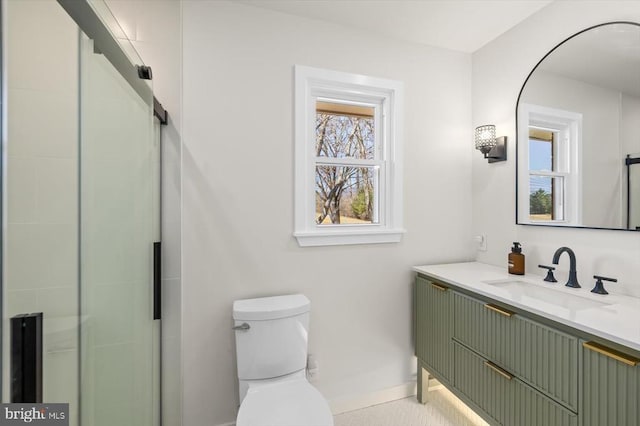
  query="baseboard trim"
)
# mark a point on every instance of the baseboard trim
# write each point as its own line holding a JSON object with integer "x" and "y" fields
{"x": 342, "y": 405}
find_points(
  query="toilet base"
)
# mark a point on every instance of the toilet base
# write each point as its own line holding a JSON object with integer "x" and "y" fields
{"x": 287, "y": 402}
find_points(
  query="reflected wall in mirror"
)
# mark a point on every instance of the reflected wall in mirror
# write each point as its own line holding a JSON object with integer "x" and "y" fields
{"x": 578, "y": 132}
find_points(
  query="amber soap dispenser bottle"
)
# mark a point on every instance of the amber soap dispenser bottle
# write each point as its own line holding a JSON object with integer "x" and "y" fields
{"x": 516, "y": 260}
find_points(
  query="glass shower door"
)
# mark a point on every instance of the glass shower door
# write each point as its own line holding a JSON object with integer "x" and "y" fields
{"x": 119, "y": 221}
{"x": 80, "y": 182}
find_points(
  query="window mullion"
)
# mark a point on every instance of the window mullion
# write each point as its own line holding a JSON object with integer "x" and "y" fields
{"x": 544, "y": 173}
{"x": 346, "y": 162}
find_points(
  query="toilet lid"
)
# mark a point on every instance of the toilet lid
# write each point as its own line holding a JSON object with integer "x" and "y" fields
{"x": 288, "y": 403}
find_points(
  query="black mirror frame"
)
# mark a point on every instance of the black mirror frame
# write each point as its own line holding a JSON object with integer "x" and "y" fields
{"x": 516, "y": 117}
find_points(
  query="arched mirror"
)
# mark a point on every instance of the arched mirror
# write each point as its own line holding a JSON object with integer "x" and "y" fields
{"x": 578, "y": 132}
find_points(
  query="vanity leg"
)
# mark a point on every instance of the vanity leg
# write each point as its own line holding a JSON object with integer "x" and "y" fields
{"x": 426, "y": 384}
{"x": 423, "y": 384}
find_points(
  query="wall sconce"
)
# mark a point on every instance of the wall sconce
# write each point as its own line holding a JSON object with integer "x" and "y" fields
{"x": 494, "y": 149}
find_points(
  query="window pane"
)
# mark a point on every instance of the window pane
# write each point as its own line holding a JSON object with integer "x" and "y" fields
{"x": 546, "y": 198}
{"x": 540, "y": 155}
{"x": 346, "y": 195}
{"x": 344, "y": 131}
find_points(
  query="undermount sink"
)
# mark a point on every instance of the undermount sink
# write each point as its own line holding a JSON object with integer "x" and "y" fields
{"x": 527, "y": 292}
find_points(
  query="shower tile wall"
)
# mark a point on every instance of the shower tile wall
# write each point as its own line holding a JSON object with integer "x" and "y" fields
{"x": 41, "y": 187}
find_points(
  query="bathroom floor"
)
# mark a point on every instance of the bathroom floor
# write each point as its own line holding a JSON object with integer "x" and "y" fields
{"x": 442, "y": 409}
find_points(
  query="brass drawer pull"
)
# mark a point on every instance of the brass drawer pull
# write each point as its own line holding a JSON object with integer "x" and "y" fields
{"x": 612, "y": 353}
{"x": 498, "y": 309}
{"x": 498, "y": 370}
{"x": 439, "y": 287}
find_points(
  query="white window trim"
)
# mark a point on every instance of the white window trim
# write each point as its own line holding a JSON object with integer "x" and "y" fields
{"x": 311, "y": 83}
{"x": 569, "y": 125}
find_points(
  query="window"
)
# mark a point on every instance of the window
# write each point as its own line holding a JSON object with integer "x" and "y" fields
{"x": 348, "y": 183}
{"x": 549, "y": 187}
{"x": 546, "y": 181}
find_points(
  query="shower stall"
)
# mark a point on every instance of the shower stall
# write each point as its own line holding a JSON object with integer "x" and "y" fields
{"x": 81, "y": 213}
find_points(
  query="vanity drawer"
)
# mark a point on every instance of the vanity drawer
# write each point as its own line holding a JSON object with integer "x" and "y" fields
{"x": 502, "y": 396}
{"x": 540, "y": 356}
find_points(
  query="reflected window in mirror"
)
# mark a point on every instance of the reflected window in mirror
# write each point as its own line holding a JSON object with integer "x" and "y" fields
{"x": 549, "y": 186}
{"x": 546, "y": 195}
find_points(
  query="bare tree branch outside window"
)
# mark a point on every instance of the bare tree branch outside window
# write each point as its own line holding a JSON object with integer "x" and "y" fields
{"x": 344, "y": 193}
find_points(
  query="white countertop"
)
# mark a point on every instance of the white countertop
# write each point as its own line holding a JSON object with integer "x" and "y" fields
{"x": 612, "y": 317}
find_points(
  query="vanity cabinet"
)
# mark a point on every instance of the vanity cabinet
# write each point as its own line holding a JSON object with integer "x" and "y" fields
{"x": 518, "y": 369}
{"x": 611, "y": 386}
{"x": 434, "y": 320}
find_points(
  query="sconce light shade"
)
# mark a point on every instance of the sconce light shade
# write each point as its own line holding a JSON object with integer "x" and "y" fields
{"x": 494, "y": 149}
{"x": 485, "y": 138}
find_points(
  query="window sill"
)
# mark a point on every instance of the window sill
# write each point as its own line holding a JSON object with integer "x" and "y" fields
{"x": 347, "y": 237}
{"x": 548, "y": 223}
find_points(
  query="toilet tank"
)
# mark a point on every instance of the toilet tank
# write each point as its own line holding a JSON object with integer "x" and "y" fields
{"x": 274, "y": 340}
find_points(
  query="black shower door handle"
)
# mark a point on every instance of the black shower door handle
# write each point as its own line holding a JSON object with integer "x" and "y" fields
{"x": 26, "y": 358}
{"x": 157, "y": 281}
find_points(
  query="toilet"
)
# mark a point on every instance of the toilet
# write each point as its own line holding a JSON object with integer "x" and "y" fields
{"x": 271, "y": 349}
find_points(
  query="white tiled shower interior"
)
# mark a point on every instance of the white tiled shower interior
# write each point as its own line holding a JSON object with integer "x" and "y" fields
{"x": 41, "y": 189}
{"x": 41, "y": 192}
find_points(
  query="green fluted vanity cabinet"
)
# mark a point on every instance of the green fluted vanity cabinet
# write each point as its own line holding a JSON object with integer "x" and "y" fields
{"x": 434, "y": 322}
{"x": 511, "y": 370}
{"x": 611, "y": 387}
{"x": 518, "y": 360}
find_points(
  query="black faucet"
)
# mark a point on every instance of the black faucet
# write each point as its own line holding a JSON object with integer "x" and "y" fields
{"x": 573, "y": 277}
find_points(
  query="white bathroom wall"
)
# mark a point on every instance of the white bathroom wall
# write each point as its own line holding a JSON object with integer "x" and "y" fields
{"x": 154, "y": 29}
{"x": 40, "y": 187}
{"x": 238, "y": 199}
{"x": 499, "y": 70}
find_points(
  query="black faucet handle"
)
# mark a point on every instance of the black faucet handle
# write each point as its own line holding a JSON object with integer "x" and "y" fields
{"x": 599, "y": 277}
{"x": 599, "y": 287}
{"x": 549, "y": 278}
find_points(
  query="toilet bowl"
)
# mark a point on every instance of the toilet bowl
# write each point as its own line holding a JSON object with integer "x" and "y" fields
{"x": 271, "y": 349}
{"x": 288, "y": 403}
